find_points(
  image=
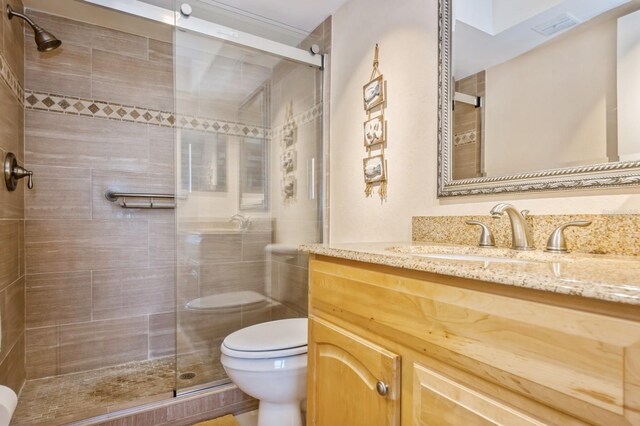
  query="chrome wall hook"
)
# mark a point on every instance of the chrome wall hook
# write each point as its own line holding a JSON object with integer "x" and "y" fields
{"x": 13, "y": 172}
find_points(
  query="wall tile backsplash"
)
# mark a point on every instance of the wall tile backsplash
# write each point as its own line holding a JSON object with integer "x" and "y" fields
{"x": 608, "y": 234}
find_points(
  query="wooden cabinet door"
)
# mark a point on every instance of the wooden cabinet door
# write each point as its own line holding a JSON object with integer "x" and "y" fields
{"x": 441, "y": 401}
{"x": 344, "y": 374}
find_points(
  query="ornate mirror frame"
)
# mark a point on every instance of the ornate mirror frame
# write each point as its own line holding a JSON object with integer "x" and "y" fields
{"x": 585, "y": 177}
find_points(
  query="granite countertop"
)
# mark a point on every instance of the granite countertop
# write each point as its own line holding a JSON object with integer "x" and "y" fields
{"x": 604, "y": 277}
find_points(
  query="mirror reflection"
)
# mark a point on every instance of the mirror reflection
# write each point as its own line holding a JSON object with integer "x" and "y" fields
{"x": 253, "y": 174}
{"x": 204, "y": 161}
{"x": 543, "y": 84}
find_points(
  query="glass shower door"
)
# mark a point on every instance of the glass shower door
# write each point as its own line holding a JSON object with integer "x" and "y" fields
{"x": 249, "y": 157}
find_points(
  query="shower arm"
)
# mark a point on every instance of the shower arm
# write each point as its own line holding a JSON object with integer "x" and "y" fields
{"x": 11, "y": 13}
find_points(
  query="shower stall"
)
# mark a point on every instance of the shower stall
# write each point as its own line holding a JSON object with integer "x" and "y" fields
{"x": 187, "y": 143}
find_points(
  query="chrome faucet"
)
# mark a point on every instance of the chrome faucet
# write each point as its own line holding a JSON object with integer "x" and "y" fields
{"x": 243, "y": 222}
{"x": 520, "y": 233}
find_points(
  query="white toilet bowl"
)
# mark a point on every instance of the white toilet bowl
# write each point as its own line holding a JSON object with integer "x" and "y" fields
{"x": 268, "y": 361}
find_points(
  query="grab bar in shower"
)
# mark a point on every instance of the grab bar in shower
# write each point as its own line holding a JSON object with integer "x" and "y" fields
{"x": 115, "y": 196}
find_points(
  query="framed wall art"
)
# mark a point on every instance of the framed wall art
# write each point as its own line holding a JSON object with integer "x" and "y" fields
{"x": 375, "y": 169}
{"x": 374, "y": 131}
{"x": 373, "y": 93}
{"x": 288, "y": 160}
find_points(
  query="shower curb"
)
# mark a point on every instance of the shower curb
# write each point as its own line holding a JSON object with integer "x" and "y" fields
{"x": 180, "y": 410}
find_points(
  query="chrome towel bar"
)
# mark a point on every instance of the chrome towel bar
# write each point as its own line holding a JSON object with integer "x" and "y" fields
{"x": 152, "y": 204}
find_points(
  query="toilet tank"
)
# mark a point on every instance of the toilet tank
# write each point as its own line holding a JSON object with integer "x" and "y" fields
{"x": 287, "y": 280}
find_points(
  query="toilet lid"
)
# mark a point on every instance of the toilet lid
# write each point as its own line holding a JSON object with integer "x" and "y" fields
{"x": 269, "y": 336}
{"x": 236, "y": 299}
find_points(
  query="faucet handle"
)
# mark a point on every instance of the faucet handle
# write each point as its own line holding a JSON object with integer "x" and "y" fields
{"x": 557, "y": 242}
{"x": 486, "y": 237}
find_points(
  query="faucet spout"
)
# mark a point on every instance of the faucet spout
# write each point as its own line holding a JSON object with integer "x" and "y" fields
{"x": 521, "y": 238}
{"x": 243, "y": 222}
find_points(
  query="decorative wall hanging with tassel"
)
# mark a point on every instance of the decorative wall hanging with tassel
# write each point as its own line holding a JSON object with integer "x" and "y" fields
{"x": 375, "y": 132}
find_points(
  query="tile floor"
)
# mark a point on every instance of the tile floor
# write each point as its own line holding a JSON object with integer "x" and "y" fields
{"x": 71, "y": 397}
{"x": 248, "y": 419}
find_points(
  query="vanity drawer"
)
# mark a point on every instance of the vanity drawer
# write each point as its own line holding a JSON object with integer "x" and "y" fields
{"x": 580, "y": 363}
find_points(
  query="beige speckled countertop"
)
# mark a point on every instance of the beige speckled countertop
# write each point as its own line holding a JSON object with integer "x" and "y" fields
{"x": 605, "y": 277}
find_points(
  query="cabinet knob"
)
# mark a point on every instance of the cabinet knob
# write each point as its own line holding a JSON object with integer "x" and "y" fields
{"x": 382, "y": 388}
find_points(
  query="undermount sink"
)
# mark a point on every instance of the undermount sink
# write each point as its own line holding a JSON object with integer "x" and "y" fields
{"x": 470, "y": 257}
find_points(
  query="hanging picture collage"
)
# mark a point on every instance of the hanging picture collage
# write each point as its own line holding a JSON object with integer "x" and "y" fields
{"x": 288, "y": 161}
{"x": 375, "y": 132}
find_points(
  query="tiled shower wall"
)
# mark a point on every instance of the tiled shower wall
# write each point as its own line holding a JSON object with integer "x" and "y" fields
{"x": 12, "y": 282}
{"x": 99, "y": 278}
{"x": 468, "y": 129}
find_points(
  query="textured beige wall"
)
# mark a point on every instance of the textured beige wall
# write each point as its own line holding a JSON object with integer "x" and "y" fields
{"x": 407, "y": 37}
{"x": 409, "y": 60}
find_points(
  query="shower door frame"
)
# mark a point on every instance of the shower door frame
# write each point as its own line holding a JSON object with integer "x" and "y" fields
{"x": 210, "y": 29}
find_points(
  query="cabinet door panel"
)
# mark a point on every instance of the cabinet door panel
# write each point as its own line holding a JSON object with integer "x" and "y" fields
{"x": 441, "y": 401}
{"x": 344, "y": 371}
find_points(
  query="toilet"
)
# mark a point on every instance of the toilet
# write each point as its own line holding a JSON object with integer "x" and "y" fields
{"x": 268, "y": 361}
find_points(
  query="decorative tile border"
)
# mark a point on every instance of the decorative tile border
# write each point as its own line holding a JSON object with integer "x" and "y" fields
{"x": 213, "y": 125}
{"x": 113, "y": 111}
{"x": 465, "y": 138}
{"x": 10, "y": 78}
{"x": 303, "y": 118}
{"x": 50, "y": 102}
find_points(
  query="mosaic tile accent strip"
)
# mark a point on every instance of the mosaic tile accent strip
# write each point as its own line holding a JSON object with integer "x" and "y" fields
{"x": 93, "y": 108}
{"x": 608, "y": 233}
{"x": 220, "y": 126}
{"x": 301, "y": 119}
{"x": 465, "y": 138}
{"x": 112, "y": 111}
{"x": 10, "y": 78}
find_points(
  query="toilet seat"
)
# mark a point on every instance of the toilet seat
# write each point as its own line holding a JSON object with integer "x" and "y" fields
{"x": 273, "y": 339}
{"x": 224, "y": 302}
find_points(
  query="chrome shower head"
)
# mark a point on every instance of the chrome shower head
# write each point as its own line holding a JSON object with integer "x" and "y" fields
{"x": 45, "y": 41}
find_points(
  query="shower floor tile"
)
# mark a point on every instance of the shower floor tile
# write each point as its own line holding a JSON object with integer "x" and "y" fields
{"x": 204, "y": 366}
{"x": 63, "y": 399}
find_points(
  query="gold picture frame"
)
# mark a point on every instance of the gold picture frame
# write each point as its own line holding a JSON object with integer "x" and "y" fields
{"x": 375, "y": 132}
{"x": 375, "y": 169}
{"x": 373, "y": 93}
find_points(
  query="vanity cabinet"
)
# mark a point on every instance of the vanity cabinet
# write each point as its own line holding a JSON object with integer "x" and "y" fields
{"x": 356, "y": 378}
{"x": 455, "y": 351}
